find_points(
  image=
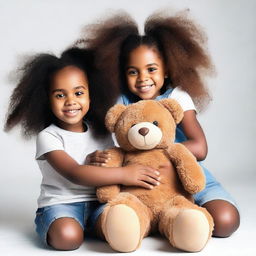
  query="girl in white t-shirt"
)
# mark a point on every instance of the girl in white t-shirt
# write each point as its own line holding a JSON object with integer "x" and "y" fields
{"x": 60, "y": 100}
{"x": 170, "y": 60}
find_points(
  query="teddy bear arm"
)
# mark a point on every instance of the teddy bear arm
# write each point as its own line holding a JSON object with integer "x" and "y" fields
{"x": 106, "y": 193}
{"x": 188, "y": 169}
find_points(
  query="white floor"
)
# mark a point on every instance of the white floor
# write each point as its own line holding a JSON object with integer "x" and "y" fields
{"x": 17, "y": 236}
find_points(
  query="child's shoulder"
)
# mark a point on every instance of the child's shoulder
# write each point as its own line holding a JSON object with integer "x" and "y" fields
{"x": 51, "y": 129}
{"x": 48, "y": 140}
{"x": 51, "y": 134}
{"x": 178, "y": 91}
{"x": 183, "y": 99}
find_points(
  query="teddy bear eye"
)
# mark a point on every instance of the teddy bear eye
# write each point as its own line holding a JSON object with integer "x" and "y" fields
{"x": 155, "y": 123}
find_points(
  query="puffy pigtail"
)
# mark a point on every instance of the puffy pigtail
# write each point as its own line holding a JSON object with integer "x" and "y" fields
{"x": 182, "y": 43}
{"x": 105, "y": 39}
{"x": 29, "y": 100}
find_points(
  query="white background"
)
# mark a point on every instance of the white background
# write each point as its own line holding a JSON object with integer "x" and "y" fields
{"x": 32, "y": 26}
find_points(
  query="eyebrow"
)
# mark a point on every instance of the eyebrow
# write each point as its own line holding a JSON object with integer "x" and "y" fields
{"x": 75, "y": 88}
{"x": 79, "y": 87}
{"x": 148, "y": 65}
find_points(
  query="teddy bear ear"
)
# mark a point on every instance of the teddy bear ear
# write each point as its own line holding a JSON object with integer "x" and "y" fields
{"x": 174, "y": 107}
{"x": 112, "y": 116}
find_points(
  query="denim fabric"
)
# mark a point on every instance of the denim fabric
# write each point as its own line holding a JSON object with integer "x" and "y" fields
{"x": 85, "y": 213}
{"x": 213, "y": 191}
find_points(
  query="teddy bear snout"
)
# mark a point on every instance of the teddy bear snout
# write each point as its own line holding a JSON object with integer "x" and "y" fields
{"x": 143, "y": 131}
{"x": 144, "y": 135}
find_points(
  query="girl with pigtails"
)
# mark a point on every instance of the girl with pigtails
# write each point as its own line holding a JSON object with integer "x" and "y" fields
{"x": 59, "y": 100}
{"x": 169, "y": 61}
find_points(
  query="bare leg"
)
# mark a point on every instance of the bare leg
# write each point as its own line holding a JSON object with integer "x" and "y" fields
{"x": 225, "y": 215}
{"x": 65, "y": 234}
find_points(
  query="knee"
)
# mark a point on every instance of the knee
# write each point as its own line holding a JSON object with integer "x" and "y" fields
{"x": 68, "y": 239}
{"x": 65, "y": 237}
{"x": 227, "y": 222}
{"x": 226, "y": 217}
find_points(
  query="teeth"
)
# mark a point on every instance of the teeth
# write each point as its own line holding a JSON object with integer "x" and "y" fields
{"x": 72, "y": 110}
{"x": 145, "y": 87}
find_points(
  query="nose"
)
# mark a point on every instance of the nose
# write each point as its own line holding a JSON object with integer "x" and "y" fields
{"x": 143, "y": 131}
{"x": 142, "y": 77}
{"x": 70, "y": 101}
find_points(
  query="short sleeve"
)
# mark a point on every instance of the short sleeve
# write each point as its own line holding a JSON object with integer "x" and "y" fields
{"x": 183, "y": 99}
{"x": 47, "y": 142}
{"x": 120, "y": 100}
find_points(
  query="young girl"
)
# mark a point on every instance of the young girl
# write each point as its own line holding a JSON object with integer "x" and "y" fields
{"x": 169, "y": 61}
{"x": 59, "y": 99}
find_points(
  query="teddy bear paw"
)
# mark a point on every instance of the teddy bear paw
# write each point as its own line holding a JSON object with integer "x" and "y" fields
{"x": 122, "y": 228}
{"x": 190, "y": 230}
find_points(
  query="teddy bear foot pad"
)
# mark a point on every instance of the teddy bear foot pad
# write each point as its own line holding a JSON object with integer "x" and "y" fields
{"x": 122, "y": 229}
{"x": 190, "y": 230}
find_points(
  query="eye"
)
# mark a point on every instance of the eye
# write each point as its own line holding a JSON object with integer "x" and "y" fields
{"x": 132, "y": 72}
{"x": 151, "y": 69}
{"x": 79, "y": 93}
{"x": 59, "y": 96}
{"x": 155, "y": 123}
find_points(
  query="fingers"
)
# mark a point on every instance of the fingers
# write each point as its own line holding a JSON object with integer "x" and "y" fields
{"x": 144, "y": 176}
{"x": 151, "y": 181}
{"x": 145, "y": 185}
{"x": 98, "y": 158}
{"x": 149, "y": 178}
{"x": 148, "y": 183}
{"x": 152, "y": 173}
{"x": 97, "y": 164}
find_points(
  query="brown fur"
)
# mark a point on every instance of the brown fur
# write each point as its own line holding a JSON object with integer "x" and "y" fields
{"x": 162, "y": 204}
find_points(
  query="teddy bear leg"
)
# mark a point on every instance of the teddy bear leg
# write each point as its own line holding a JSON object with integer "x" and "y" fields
{"x": 125, "y": 221}
{"x": 187, "y": 226}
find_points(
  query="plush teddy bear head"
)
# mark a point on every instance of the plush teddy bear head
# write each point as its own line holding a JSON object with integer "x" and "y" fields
{"x": 144, "y": 125}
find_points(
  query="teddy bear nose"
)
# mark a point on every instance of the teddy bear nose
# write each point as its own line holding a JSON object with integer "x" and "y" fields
{"x": 143, "y": 131}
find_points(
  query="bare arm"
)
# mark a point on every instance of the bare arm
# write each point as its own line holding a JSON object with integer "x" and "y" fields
{"x": 87, "y": 175}
{"x": 196, "y": 142}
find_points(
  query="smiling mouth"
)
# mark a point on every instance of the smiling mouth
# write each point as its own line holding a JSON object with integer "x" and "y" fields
{"x": 144, "y": 88}
{"x": 71, "y": 112}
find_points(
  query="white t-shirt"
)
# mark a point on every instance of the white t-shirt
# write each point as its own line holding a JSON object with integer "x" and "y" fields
{"x": 183, "y": 99}
{"x": 56, "y": 189}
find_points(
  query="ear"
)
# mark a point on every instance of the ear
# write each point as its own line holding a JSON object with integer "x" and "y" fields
{"x": 112, "y": 116}
{"x": 174, "y": 108}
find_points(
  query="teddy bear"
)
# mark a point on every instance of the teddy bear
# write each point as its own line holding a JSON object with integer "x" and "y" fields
{"x": 145, "y": 132}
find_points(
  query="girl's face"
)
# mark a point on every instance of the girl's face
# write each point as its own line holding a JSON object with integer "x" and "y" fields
{"x": 69, "y": 98}
{"x": 145, "y": 72}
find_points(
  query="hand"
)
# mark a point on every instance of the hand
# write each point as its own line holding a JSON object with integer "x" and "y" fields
{"x": 97, "y": 158}
{"x": 139, "y": 175}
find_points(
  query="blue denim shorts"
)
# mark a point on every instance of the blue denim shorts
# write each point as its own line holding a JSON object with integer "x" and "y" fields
{"x": 212, "y": 191}
{"x": 85, "y": 213}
